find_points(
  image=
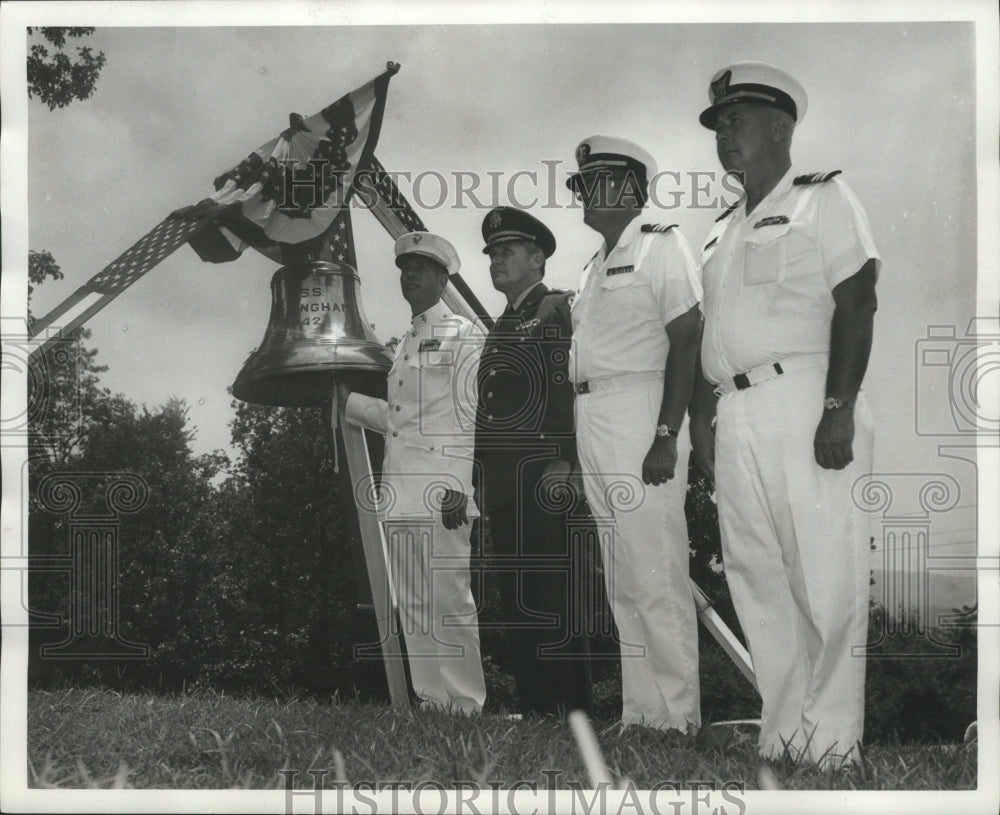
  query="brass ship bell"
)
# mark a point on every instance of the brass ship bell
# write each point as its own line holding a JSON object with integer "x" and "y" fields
{"x": 317, "y": 331}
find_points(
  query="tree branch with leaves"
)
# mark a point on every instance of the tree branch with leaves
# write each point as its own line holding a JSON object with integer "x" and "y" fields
{"x": 55, "y": 78}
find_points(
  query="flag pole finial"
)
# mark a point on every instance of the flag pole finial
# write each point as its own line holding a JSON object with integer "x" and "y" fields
{"x": 392, "y": 67}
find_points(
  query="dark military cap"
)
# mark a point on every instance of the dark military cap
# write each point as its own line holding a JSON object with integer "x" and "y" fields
{"x": 504, "y": 224}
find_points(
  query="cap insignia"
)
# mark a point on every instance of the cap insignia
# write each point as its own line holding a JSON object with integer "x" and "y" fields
{"x": 582, "y": 153}
{"x": 495, "y": 219}
{"x": 721, "y": 85}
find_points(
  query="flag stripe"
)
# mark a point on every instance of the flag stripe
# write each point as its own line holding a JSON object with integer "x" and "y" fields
{"x": 78, "y": 312}
{"x": 161, "y": 241}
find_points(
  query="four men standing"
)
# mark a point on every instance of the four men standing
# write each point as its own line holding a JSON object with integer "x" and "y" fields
{"x": 789, "y": 292}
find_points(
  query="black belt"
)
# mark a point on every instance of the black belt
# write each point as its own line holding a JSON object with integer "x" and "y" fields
{"x": 742, "y": 381}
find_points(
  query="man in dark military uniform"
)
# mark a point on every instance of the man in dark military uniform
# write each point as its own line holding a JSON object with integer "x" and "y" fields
{"x": 525, "y": 448}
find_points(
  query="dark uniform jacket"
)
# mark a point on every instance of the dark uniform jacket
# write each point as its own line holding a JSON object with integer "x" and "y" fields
{"x": 524, "y": 418}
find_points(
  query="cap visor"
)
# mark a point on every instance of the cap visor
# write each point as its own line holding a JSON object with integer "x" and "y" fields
{"x": 574, "y": 179}
{"x": 709, "y": 115}
{"x": 505, "y": 239}
{"x": 438, "y": 261}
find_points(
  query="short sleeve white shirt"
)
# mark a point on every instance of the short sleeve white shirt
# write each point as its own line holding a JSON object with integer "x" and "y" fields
{"x": 769, "y": 275}
{"x": 627, "y": 298}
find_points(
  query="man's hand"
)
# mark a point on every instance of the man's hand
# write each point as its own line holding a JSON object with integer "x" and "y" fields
{"x": 453, "y": 505}
{"x": 834, "y": 438}
{"x": 658, "y": 466}
{"x": 703, "y": 445}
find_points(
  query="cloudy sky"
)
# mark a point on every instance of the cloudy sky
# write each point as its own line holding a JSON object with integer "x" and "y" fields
{"x": 893, "y": 103}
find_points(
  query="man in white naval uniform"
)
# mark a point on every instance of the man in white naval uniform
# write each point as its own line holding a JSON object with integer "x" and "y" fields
{"x": 789, "y": 275}
{"x": 424, "y": 499}
{"x": 635, "y": 337}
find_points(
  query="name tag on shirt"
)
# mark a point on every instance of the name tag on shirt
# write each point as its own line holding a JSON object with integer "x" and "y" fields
{"x": 774, "y": 220}
{"x": 620, "y": 270}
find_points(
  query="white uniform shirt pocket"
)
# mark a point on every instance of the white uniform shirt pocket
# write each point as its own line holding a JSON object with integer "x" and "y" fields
{"x": 776, "y": 252}
{"x": 623, "y": 295}
{"x": 765, "y": 255}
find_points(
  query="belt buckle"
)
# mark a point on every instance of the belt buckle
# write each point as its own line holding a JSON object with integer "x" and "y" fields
{"x": 582, "y": 387}
{"x": 741, "y": 381}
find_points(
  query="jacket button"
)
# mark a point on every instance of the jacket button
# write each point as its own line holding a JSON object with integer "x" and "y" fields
{"x": 489, "y": 395}
{"x": 398, "y": 408}
{"x": 493, "y": 373}
{"x": 406, "y": 357}
{"x": 400, "y": 383}
{"x": 395, "y": 433}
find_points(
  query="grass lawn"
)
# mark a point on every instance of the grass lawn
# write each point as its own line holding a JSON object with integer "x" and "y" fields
{"x": 101, "y": 738}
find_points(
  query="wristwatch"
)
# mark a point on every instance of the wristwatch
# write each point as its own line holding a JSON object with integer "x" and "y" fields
{"x": 832, "y": 403}
{"x": 666, "y": 430}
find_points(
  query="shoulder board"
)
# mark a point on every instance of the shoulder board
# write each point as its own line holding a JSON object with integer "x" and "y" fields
{"x": 587, "y": 264}
{"x": 815, "y": 178}
{"x": 728, "y": 211}
{"x": 656, "y": 227}
{"x": 552, "y": 300}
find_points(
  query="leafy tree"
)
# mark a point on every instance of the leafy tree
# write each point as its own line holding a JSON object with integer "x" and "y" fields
{"x": 305, "y": 620}
{"x": 55, "y": 78}
{"x": 81, "y": 430}
{"x": 63, "y": 388}
{"x": 915, "y": 689}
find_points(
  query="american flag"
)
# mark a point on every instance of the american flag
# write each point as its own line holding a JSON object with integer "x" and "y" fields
{"x": 290, "y": 190}
{"x": 248, "y": 207}
{"x": 340, "y": 239}
{"x": 162, "y": 240}
{"x": 142, "y": 256}
{"x": 377, "y": 192}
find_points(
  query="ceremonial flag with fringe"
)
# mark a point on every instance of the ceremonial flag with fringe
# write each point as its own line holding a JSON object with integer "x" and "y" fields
{"x": 282, "y": 200}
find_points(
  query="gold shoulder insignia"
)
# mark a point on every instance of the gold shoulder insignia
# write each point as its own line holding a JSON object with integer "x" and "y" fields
{"x": 661, "y": 228}
{"x": 728, "y": 211}
{"x": 815, "y": 178}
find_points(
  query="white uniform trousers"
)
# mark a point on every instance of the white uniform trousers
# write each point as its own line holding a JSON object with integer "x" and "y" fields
{"x": 644, "y": 547}
{"x": 430, "y": 571}
{"x": 796, "y": 554}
